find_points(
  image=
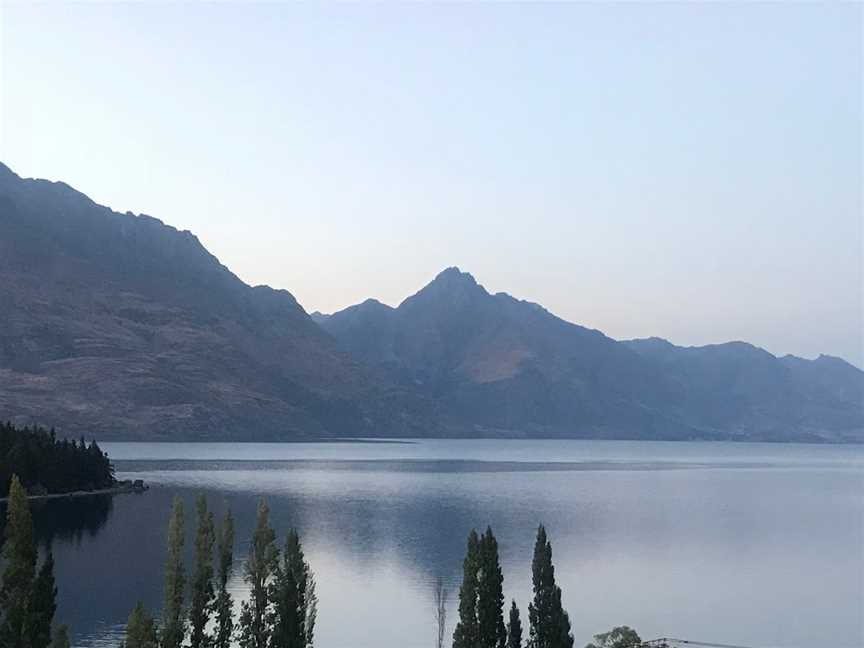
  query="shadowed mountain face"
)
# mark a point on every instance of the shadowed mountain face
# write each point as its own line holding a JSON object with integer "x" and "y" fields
{"x": 118, "y": 326}
{"x": 496, "y": 365}
{"x": 746, "y": 390}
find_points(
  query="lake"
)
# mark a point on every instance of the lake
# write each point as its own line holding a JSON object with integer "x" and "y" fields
{"x": 751, "y": 544}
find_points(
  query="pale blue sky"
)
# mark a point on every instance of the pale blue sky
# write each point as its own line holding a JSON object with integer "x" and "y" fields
{"x": 692, "y": 171}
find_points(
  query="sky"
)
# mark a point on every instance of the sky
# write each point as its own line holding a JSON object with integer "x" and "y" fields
{"x": 687, "y": 170}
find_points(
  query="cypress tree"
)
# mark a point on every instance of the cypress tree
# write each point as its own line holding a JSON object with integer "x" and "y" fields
{"x": 514, "y": 628}
{"x": 19, "y": 560}
{"x": 224, "y": 604}
{"x": 201, "y": 603}
{"x": 549, "y": 623}
{"x": 140, "y": 629}
{"x": 42, "y": 605}
{"x": 173, "y": 623}
{"x": 492, "y": 633}
{"x": 466, "y": 634}
{"x": 255, "y": 615}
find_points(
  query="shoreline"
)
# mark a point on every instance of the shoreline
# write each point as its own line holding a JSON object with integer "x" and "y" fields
{"x": 119, "y": 489}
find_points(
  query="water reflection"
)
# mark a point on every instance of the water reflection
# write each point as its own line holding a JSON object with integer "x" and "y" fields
{"x": 722, "y": 553}
{"x": 69, "y": 519}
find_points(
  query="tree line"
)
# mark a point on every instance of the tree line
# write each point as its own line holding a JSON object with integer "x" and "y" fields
{"x": 282, "y": 606}
{"x": 281, "y": 610}
{"x": 45, "y": 464}
{"x": 481, "y": 600}
{"x": 481, "y": 604}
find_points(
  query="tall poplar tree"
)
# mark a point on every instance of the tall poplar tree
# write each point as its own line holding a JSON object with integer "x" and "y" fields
{"x": 492, "y": 633}
{"x": 549, "y": 623}
{"x": 140, "y": 629}
{"x": 224, "y": 604}
{"x": 41, "y": 606}
{"x": 255, "y": 615}
{"x": 466, "y": 634}
{"x": 201, "y": 600}
{"x": 173, "y": 621}
{"x": 294, "y": 600}
{"x": 514, "y": 628}
{"x": 19, "y": 568}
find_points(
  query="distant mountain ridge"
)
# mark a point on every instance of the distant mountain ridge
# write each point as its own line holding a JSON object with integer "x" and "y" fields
{"x": 119, "y": 326}
{"x": 498, "y": 365}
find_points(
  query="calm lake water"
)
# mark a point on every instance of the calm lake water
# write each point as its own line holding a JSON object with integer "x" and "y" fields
{"x": 757, "y": 544}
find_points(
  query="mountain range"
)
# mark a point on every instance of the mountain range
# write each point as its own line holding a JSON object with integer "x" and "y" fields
{"x": 119, "y": 326}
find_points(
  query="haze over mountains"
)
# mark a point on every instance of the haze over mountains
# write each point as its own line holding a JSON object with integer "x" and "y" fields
{"x": 118, "y": 326}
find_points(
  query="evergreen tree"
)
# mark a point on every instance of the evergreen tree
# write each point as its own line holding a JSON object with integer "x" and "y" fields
{"x": 19, "y": 567}
{"x": 549, "y": 623}
{"x": 514, "y": 628}
{"x": 61, "y": 638}
{"x": 224, "y": 604}
{"x": 255, "y": 615}
{"x": 492, "y": 632}
{"x": 310, "y": 610}
{"x": 45, "y": 464}
{"x": 140, "y": 629}
{"x": 42, "y": 605}
{"x": 201, "y": 603}
{"x": 466, "y": 634}
{"x": 173, "y": 622}
{"x": 294, "y": 602}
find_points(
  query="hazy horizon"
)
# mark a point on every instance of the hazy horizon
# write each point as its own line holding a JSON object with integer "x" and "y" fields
{"x": 691, "y": 172}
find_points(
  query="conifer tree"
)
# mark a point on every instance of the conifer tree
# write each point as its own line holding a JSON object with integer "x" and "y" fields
{"x": 492, "y": 633}
{"x": 140, "y": 629}
{"x": 42, "y": 605}
{"x": 255, "y": 615}
{"x": 466, "y": 634}
{"x": 514, "y": 628}
{"x": 310, "y": 615}
{"x": 224, "y": 604}
{"x": 201, "y": 600}
{"x": 19, "y": 567}
{"x": 294, "y": 601}
{"x": 549, "y": 623}
{"x": 173, "y": 622}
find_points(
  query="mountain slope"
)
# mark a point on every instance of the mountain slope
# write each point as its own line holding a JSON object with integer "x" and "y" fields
{"x": 118, "y": 325}
{"x": 739, "y": 387}
{"x": 497, "y": 365}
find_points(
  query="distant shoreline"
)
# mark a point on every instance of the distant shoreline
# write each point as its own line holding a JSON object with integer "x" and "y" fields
{"x": 416, "y": 440}
{"x": 120, "y": 488}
